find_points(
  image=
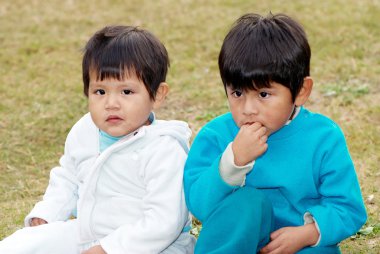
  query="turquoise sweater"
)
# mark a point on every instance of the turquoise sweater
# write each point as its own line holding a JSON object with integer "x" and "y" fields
{"x": 307, "y": 168}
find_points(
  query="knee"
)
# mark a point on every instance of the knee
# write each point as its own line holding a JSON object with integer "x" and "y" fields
{"x": 249, "y": 205}
{"x": 250, "y": 199}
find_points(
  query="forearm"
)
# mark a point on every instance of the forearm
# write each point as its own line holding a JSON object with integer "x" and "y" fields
{"x": 205, "y": 188}
{"x": 59, "y": 199}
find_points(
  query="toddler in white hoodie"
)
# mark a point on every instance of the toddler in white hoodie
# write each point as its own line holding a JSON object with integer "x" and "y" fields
{"x": 120, "y": 176}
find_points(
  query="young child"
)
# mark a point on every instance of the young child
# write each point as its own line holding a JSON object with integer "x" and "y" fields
{"x": 122, "y": 170}
{"x": 271, "y": 152}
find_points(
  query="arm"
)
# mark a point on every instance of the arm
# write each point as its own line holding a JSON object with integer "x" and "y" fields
{"x": 204, "y": 187}
{"x": 60, "y": 197}
{"x": 209, "y": 170}
{"x": 341, "y": 211}
{"x": 164, "y": 212}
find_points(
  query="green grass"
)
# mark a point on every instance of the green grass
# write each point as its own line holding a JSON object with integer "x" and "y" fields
{"x": 41, "y": 90}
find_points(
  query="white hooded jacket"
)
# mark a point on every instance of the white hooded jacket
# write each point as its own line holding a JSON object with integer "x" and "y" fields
{"x": 129, "y": 197}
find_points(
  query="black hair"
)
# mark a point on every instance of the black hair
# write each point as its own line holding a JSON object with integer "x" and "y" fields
{"x": 116, "y": 51}
{"x": 259, "y": 50}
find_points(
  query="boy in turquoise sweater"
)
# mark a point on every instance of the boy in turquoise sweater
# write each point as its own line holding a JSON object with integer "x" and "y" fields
{"x": 270, "y": 176}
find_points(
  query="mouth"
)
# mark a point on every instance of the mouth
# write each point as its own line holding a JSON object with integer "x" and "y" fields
{"x": 113, "y": 119}
{"x": 249, "y": 122}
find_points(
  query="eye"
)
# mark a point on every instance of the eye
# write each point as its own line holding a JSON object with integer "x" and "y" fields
{"x": 264, "y": 95}
{"x": 237, "y": 93}
{"x": 100, "y": 92}
{"x": 126, "y": 92}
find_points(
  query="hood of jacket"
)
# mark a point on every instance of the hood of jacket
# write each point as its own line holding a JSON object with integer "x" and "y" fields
{"x": 177, "y": 129}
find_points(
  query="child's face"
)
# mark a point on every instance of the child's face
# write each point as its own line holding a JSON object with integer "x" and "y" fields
{"x": 271, "y": 107}
{"x": 119, "y": 107}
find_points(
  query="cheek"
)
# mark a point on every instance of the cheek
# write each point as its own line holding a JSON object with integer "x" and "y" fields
{"x": 236, "y": 115}
{"x": 234, "y": 107}
{"x": 95, "y": 109}
{"x": 280, "y": 118}
{"x": 91, "y": 102}
{"x": 92, "y": 107}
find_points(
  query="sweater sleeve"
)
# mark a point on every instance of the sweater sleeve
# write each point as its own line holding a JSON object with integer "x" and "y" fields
{"x": 164, "y": 211}
{"x": 341, "y": 212}
{"x": 204, "y": 186}
{"x": 59, "y": 200}
{"x": 230, "y": 172}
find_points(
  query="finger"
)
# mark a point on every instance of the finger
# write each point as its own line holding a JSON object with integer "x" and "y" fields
{"x": 38, "y": 221}
{"x": 264, "y": 138}
{"x": 276, "y": 233}
{"x": 276, "y": 251}
{"x": 254, "y": 127}
{"x": 262, "y": 130}
{"x": 35, "y": 222}
{"x": 270, "y": 247}
{"x": 264, "y": 250}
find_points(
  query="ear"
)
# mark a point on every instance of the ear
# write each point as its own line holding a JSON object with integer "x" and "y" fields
{"x": 162, "y": 91}
{"x": 304, "y": 94}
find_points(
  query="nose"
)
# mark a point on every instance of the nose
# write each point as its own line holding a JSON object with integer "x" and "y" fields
{"x": 112, "y": 102}
{"x": 250, "y": 107}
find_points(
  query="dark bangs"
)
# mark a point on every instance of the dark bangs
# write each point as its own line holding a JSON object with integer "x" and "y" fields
{"x": 120, "y": 51}
{"x": 260, "y": 50}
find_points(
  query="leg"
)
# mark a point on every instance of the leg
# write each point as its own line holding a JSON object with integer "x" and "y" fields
{"x": 240, "y": 224}
{"x": 184, "y": 245}
{"x": 58, "y": 237}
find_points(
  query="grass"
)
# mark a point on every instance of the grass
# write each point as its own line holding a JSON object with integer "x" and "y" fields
{"x": 41, "y": 90}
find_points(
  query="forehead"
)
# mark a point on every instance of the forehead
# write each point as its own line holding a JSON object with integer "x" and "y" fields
{"x": 112, "y": 73}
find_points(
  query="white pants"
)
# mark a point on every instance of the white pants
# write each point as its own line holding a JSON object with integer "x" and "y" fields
{"x": 63, "y": 238}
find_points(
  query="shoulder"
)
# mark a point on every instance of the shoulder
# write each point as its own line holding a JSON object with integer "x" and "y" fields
{"x": 223, "y": 124}
{"x": 216, "y": 134}
{"x": 323, "y": 128}
{"x": 84, "y": 129}
{"x": 219, "y": 121}
{"x": 320, "y": 122}
{"x": 168, "y": 127}
{"x": 84, "y": 122}
{"x": 163, "y": 133}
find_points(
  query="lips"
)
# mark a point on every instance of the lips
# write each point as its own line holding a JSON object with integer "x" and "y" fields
{"x": 113, "y": 119}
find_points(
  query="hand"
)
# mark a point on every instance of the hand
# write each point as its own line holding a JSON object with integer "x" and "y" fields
{"x": 97, "y": 249}
{"x": 289, "y": 240}
{"x": 37, "y": 221}
{"x": 249, "y": 143}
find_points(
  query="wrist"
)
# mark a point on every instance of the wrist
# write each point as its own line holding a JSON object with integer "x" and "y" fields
{"x": 238, "y": 160}
{"x": 311, "y": 233}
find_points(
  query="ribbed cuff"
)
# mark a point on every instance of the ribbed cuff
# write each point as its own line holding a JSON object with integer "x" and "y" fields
{"x": 308, "y": 218}
{"x": 232, "y": 174}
